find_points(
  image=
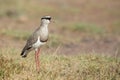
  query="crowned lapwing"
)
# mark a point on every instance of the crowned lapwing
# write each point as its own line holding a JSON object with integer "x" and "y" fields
{"x": 37, "y": 39}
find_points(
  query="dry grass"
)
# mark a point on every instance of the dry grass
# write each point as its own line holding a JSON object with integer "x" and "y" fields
{"x": 58, "y": 67}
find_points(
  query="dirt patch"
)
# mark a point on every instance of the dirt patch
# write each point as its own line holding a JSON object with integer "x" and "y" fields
{"x": 106, "y": 46}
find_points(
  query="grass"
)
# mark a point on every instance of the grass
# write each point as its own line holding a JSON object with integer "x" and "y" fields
{"x": 23, "y": 35}
{"x": 15, "y": 8}
{"x": 55, "y": 40}
{"x": 58, "y": 67}
{"x": 10, "y": 8}
{"x": 85, "y": 28}
{"x": 16, "y": 34}
{"x": 116, "y": 28}
{"x": 8, "y": 67}
{"x": 35, "y": 9}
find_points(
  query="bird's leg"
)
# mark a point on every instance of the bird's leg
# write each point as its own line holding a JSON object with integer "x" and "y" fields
{"x": 37, "y": 59}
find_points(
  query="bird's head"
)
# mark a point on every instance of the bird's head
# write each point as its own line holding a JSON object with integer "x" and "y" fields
{"x": 46, "y": 19}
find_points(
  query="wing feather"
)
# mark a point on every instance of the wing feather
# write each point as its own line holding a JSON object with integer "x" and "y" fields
{"x": 31, "y": 40}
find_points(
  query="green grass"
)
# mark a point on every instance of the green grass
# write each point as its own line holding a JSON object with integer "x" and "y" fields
{"x": 15, "y": 8}
{"x": 23, "y": 35}
{"x": 16, "y": 34}
{"x": 55, "y": 40}
{"x": 116, "y": 27}
{"x": 11, "y": 8}
{"x": 58, "y": 67}
{"x": 85, "y": 28}
{"x": 30, "y": 8}
{"x": 34, "y": 9}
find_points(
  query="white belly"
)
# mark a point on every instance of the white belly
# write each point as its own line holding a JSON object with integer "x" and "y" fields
{"x": 38, "y": 43}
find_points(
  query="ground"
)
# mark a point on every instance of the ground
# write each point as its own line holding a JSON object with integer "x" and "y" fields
{"x": 85, "y": 26}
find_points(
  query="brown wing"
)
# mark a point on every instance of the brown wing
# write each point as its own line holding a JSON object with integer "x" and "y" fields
{"x": 31, "y": 40}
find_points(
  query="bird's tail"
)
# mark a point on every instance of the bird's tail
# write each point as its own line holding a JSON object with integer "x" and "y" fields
{"x": 24, "y": 53}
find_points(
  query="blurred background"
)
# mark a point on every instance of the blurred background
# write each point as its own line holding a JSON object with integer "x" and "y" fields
{"x": 77, "y": 26}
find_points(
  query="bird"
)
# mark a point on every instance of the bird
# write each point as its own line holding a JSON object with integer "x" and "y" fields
{"x": 37, "y": 39}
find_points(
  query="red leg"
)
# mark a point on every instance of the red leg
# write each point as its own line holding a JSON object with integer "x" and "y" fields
{"x": 37, "y": 59}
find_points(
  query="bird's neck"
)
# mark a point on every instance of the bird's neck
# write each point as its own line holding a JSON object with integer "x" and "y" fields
{"x": 43, "y": 25}
{"x": 43, "y": 28}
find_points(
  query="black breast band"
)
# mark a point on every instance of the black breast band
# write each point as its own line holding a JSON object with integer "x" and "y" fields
{"x": 43, "y": 40}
